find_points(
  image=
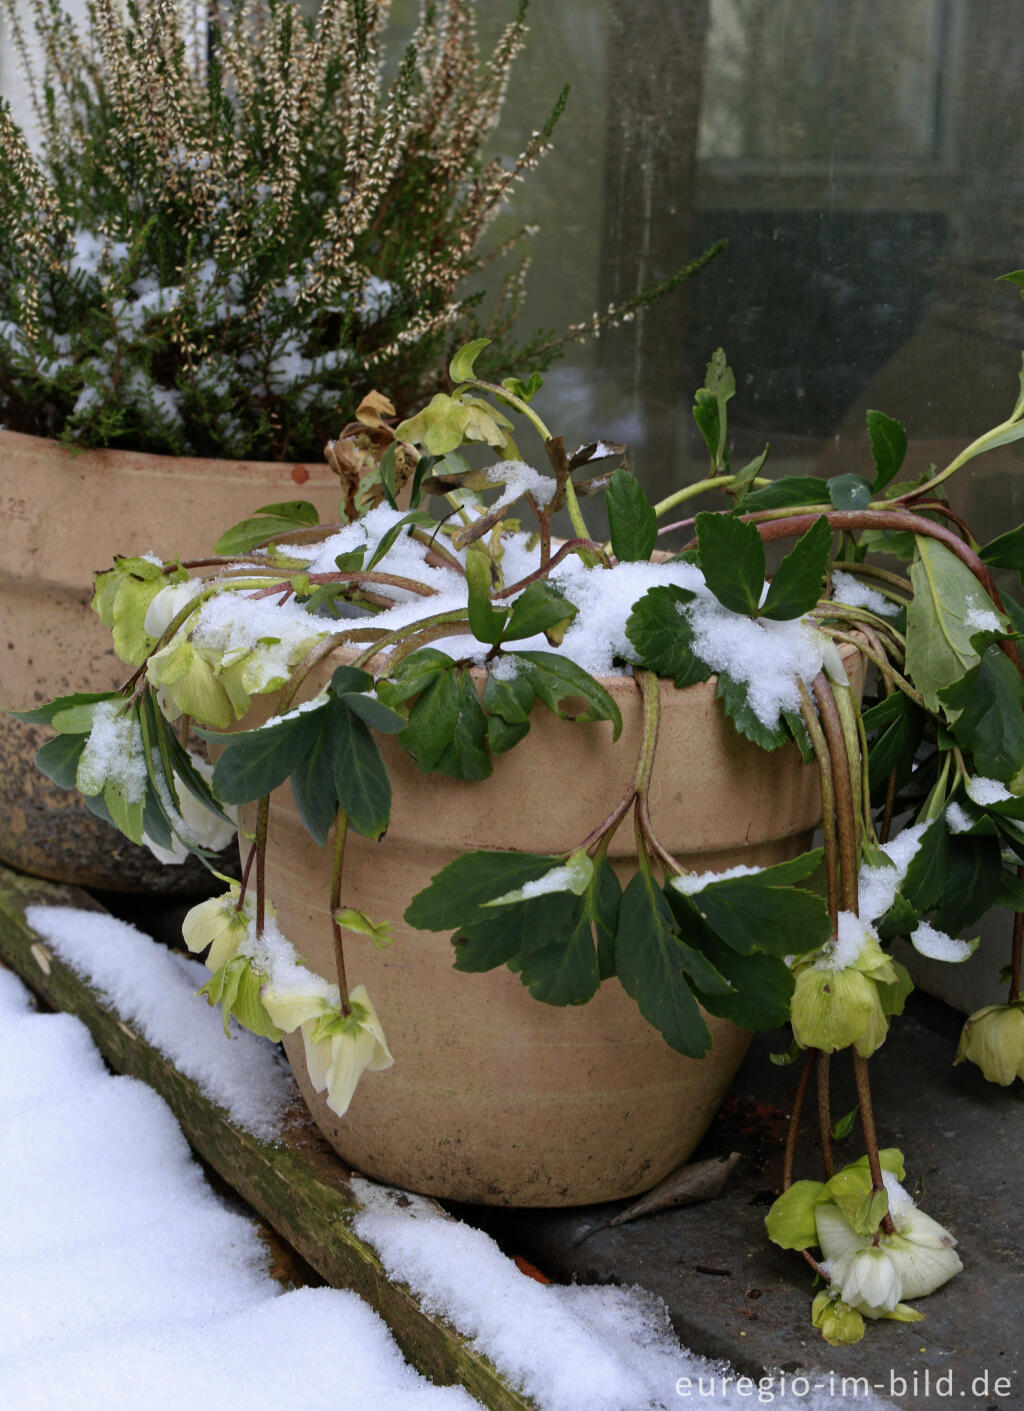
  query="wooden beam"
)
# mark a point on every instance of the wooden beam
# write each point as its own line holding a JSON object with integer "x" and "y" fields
{"x": 298, "y": 1184}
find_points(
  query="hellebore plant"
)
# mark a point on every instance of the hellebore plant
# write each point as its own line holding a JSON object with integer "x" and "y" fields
{"x": 415, "y": 597}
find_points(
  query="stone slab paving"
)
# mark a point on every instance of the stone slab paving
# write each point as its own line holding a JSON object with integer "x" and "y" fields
{"x": 734, "y": 1295}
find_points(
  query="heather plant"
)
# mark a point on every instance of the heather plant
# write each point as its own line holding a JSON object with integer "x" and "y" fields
{"x": 233, "y": 225}
{"x": 448, "y": 627}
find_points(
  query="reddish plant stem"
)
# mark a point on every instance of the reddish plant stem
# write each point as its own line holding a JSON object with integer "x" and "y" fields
{"x": 825, "y": 1114}
{"x": 828, "y": 807}
{"x": 262, "y": 822}
{"x": 245, "y": 877}
{"x": 789, "y": 1154}
{"x": 890, "y": 805}
{"x": 570, "y": 546}
{"x": 867, "y": 1120}
{"x": 846, "y": 823}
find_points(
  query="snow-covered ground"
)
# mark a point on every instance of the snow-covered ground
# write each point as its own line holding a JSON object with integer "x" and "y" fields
{"x": 129, "y": 1283}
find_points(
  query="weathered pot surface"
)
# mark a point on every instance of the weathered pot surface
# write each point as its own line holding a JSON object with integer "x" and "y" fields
{"x": 63, "y": 516}
{"x": 495, "y": 1097}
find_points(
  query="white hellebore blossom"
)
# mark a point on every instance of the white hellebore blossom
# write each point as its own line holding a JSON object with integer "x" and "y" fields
{"x": 339, "y": 1047}
{"x": 199, "y": 824}
{"x": 876, "y": 1278}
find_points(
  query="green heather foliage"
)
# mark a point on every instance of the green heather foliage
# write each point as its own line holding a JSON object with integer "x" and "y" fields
{"x": 233, "y": 227}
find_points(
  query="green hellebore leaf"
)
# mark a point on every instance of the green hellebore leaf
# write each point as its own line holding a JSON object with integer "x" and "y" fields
{"x": 663, "y": 637}
{"x": 575, "y": 875}
{"x": 269, "y": 522}
{"x": 507, "y": 701}
{"x": 986, "y": 706}
{"x": 360, "y": 776}
{"x": 888, "y": 448}
{"x": 849, "y": 492}
{"x": 970, "y": 883}
{"x": 790, "y": 1221}
{"x": 800, "y": 579}
{"x": 632, "y": 523}
{"x": 487, "y": 622}
{"x": 787, "y": 493}
{"x": 732, "y": 559}
{"x": 255, "y": 762}
{"x": 556, "y": 680}
{"x": 735, "y": 698}
{"x": 59, "y": 759}
{"x": 946, "y": 592}
{"x": 1005, "y": 551}
{"x": 458, "y": 895}
{"x": 415, "y": 517}
{"x": 538, "y": 608}
{"x": 46, "y": 714}
{"x": 460, "y": 369}
{"x": 844, "y": 1126}
{"x": 765, "y": 911}
{"x": 312, "y": 776}
{"x": 558, "y": 960}
{"x": 655, "y": 967}
{"x": 710, "y": 411}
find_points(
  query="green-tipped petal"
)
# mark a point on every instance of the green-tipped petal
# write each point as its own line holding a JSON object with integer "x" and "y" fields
{"x": 993, "y": 1038}
{"x": 840, "y": 1325}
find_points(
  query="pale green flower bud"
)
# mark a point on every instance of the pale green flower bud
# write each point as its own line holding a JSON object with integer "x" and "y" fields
{"x": 840, "y": 1324}
{"x": 832, "y": 1009}
{"x": 340, "y": 1047}
{"x": 993, "y": 1038}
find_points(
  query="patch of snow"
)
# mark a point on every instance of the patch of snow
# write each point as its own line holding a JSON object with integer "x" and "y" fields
{"x": 114, "y": 752}
{"x": 155, "y": 991}
{"x": 986, "y": 791}
{"x": 856, "y": 594}
{"x": 852, "y": 934}
{"x": 518, "y": 478}
{"x": 983, "y": 620}
{"x": 692, "y": 882}
{"x": 936, "y": 945}
{"x": 957, "y": 819}
{"x": 877, "y": 886}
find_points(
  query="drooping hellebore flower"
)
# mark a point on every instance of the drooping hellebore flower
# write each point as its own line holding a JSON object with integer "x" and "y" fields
{"x": 339, "y": 1047}
{"x": 993, "y": 1038}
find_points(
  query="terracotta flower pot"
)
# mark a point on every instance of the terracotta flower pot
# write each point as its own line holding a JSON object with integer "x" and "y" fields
{"x": 63, "y": 516}
{"x": 495, "y": 1097}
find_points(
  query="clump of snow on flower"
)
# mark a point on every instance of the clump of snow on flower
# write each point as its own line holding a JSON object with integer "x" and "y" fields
{"x": 877, "y": 886}
{"x": 856, "y": 594}
{"x": 852, "y": 934}
{"x": 232, "y": 624}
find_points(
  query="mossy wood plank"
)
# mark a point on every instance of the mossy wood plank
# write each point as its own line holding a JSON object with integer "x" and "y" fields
{"x": 297, "y": 1185}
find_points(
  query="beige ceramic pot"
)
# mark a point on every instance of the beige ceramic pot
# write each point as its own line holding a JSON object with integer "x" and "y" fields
{"x": 63, "y": 516}
{"x": 495, "y": 1097}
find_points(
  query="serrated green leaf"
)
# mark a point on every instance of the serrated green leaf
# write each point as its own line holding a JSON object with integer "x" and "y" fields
{"x": 749, "y": 914}
{"x": 946, "y": 592}
{"x": 507, "y": 701}
{"x": 270, "y": 522}
{"x": 988, "y": 704}
{"x": 971, "y": 882}
{"x": 710, "y": 408}
{"x": 540, "y": 607}
{"x": 650, "y": 963}
{"x": 486, "y": 621}
{"x": 58, "y": 759}
{"x": 762, "y": 985}
{"x": 556, "y": 680}
{"x": 735, "y": 698}
{"x": 44, "y": 714}
{"x": 460, "y": 369}
{"x": 412, "y": 675}
{"x": 895, "y": 745}
{"x": 312, "y": 779}
{"x": 732, "y": 558}
{"x": 632, "y": 523}
{"x": 663, "y": 637}
{"x": 255, "y": 762}
{"x": 786, "y": 493}
{"x": 360, "y": 776}
{"x": 849, "y": 492}
{"x": 414, "y": 518}
{"x": 888, "y": 447}
{"x": 743, "y": 480}
{"x": 558, "y": 960}
{"x": 458, "y": 895}
{"x": 379, "y": 932}
{"x": 800, "y": 579}
{"x": 1005, "y": 551}
{"x": 346, "y": 680}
